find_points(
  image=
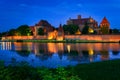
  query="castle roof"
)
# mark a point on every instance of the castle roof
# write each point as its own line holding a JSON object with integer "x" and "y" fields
{"x": 104, "y": 21}
{"x": 43, "y": 23}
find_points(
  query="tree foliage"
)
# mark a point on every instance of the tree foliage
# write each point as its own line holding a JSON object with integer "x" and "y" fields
{"x": 24, "y": 30}
{"x": 12, "y": 32}
{"x": 115, "y": 31}
{"x": 40, "y": 31}
{"x": 70, "y": 29}
{"x": 85, "y": 29}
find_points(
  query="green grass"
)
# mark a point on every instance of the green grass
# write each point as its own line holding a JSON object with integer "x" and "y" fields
{"x": 106, "y": 70}
{"x": 65, "y": 41}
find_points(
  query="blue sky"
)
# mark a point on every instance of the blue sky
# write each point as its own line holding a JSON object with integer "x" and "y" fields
{"x": 14, "y": 13}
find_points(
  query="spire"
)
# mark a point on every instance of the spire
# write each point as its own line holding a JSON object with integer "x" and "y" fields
{"x": 104, "y": 21}
{"x": 60, "y": 27}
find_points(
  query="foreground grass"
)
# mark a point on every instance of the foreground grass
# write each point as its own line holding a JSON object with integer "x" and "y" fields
{"x": 107, "y": 70}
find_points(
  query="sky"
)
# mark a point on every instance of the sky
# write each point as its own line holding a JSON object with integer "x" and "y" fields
{"x": 14, "y": 13}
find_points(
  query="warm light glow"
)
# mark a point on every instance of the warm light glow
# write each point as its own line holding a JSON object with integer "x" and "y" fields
{"x": 60, "y": 46}
{"x": 68, "y": 48}
{"x": 78, "y": 32}
{"x": 19, "y": 46}
{"x": 52, "y": 47}
{"x": 52, "y": 35}
{"x": 91, "y": 52}
{"x": 60, "y": 38}
{"x": 91, "y": 30}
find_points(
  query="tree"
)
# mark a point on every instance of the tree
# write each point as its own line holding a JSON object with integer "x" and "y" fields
{"x": 40, "y": 31}
{"x": 115, "y": 31}
{"x": 24, "y": 30}
{"x": 85, "y": 29}
{"x": 12, "y": 32}
{"x": 3, "y": 34}
{"x": 70, "y": 29}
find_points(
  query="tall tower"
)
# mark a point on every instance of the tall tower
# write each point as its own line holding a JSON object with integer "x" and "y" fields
{"x": 105, "y": 26}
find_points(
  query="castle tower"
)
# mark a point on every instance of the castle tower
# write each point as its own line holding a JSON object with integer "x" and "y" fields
{"x": 105, "y": 26}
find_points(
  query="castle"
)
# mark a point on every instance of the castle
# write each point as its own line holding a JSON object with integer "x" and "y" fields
{"x": 58, "y": 33}
{"x": 92, "y": 23}
{"x": 50, "y": 31}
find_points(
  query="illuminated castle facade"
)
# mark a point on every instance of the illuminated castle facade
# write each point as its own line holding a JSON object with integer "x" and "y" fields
{"x": 82, "y": 21}
{"x": 92, "y": 23}
{"x": 49, "y": 31}
{"x": 58, "y": 33}
{"x": 42, "y": 24}
{"x": 104, "y": 26}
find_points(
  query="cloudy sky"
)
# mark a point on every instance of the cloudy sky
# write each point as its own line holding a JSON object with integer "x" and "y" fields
{"x": 14, "y": 13}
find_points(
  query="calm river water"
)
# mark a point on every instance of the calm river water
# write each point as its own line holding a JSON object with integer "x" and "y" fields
{"x": 57, "y": 54}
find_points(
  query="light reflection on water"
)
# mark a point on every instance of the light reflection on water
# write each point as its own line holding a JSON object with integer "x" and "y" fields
{"x": 57, "y": 54}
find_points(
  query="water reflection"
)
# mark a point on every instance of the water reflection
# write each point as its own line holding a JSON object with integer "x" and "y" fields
{"x": 59, "y": 53}
{"x": 5, "y": 46}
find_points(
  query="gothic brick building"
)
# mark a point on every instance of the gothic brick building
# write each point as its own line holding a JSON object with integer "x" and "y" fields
{"x": 44, "y": 25}
{"x": 104, "y": 26}
{"x": 82, "y": 21}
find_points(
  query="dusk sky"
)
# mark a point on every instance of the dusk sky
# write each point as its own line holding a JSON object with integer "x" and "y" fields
{"x": 14, "y": 13}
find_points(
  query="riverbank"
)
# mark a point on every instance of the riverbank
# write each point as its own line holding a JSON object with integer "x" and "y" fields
{"x": 69, "y": 38}
{"x": 62, "y": 41}
{"x": 106, "y": 70}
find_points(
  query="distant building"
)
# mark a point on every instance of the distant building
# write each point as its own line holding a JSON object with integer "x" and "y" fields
{"x": 82, "y": 21}
{"x": 104, "y": 26}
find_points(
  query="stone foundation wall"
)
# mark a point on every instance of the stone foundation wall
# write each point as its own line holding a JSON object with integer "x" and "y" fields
{"x": 94, "y": 37}
{"x": 80, "y": 37}
{"x": 23, "y": 37}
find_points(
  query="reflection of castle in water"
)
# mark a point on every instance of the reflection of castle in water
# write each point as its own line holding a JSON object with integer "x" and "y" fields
{"x": 5, "y": 45}
{"x": 79, "y": 52}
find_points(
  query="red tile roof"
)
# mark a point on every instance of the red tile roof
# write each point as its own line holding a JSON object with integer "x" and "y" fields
{"x": 104, "y": 21}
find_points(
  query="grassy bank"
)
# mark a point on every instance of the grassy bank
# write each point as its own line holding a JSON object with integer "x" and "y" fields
{"x": 64, "y": 41}
{"x": 68, "y": 41}
{"x": 107, "y": 70}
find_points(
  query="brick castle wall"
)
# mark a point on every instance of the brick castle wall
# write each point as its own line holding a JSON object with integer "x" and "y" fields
{"x": 80, "y": 37}
{"x": 94, "y": 37}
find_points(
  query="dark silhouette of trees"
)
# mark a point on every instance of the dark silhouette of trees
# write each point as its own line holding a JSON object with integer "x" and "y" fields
{"x": 24, "y": 30}
{"x": 115, "y": 31}
{"x": 70, "y": 29}
{"x": 85, "y": 29}
{"x": 12, "y": 32}
{"x": 40, "y": 31}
